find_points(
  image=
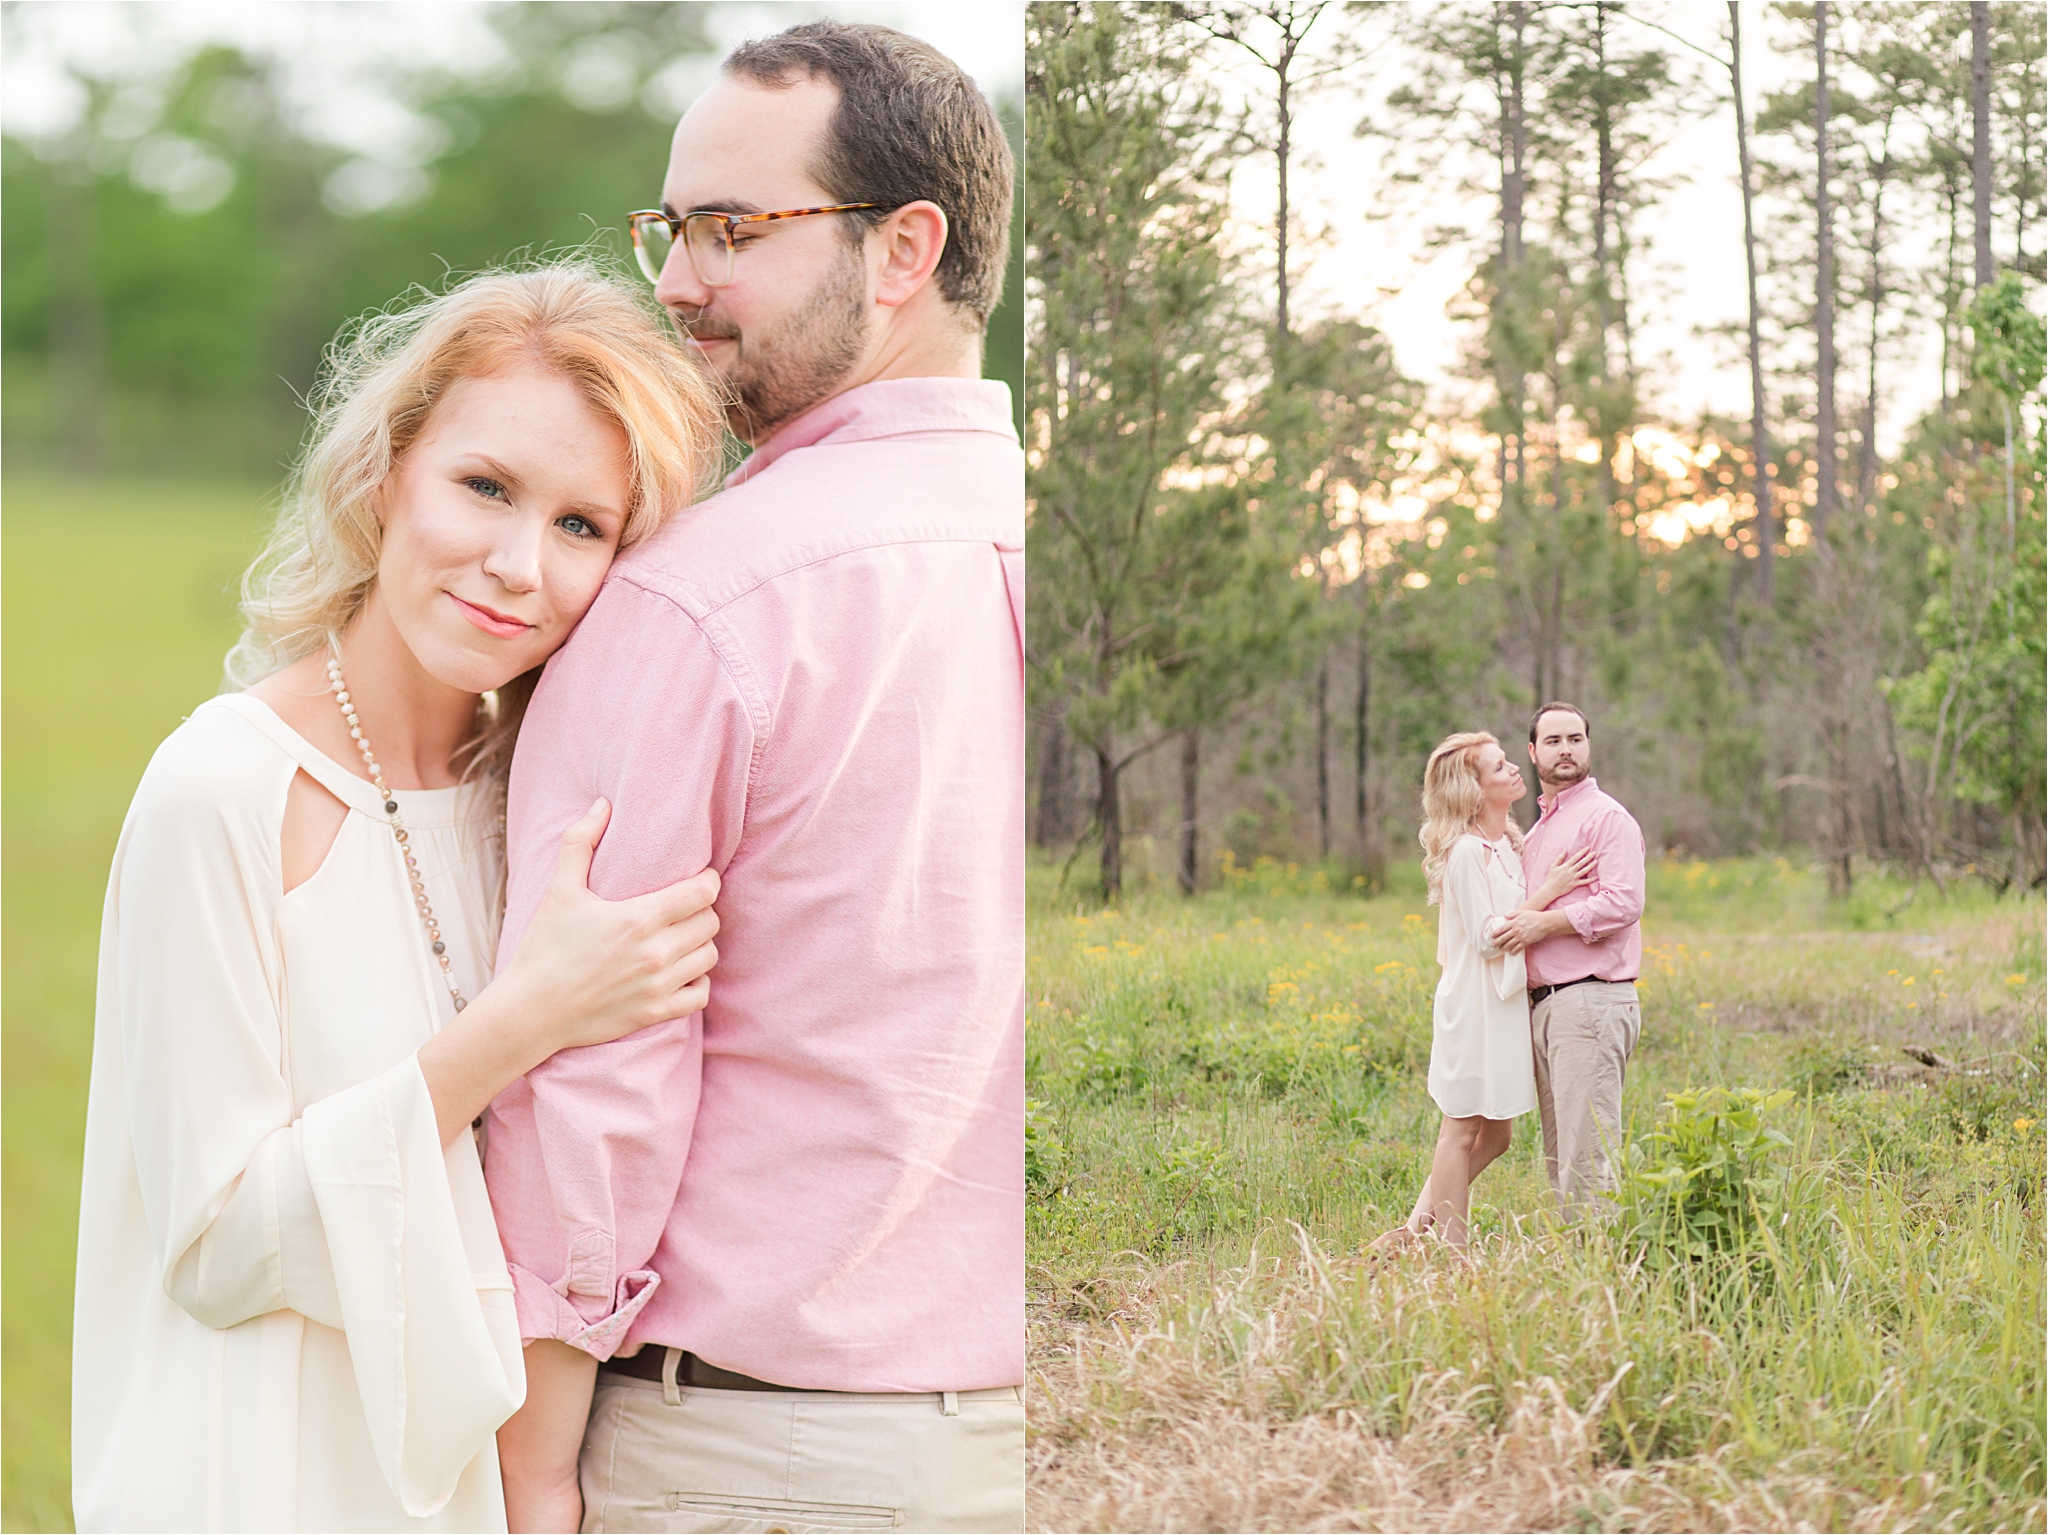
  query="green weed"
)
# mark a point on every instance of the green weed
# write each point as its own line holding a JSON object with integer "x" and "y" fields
{"x": 1703, "y": 1180}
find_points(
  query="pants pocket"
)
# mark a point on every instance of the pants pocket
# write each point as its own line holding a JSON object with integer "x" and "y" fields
{"x": 723, "y": 1512}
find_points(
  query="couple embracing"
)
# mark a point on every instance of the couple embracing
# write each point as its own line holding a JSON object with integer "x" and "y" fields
{"x": 434, "y": 1177}
{"x": 1540, "y": 942}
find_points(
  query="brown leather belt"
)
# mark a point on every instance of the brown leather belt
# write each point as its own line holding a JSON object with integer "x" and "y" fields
{"x": 1538, "y": 993}
{"x": 691, "y": 1371}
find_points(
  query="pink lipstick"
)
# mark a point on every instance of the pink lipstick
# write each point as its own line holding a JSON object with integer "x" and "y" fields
{"x": 499, "y": 624}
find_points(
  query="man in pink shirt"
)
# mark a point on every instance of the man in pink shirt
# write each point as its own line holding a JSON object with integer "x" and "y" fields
{"x": 768, "y": 1260}
{"x": 1583, "y": 955}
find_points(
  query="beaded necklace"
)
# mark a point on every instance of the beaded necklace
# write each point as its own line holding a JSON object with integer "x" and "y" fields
{"x": 412, "y": 868}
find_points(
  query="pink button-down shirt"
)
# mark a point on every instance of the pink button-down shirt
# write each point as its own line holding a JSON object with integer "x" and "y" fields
{"x": 813, "y": 683}
{"x": 1606, "y": 916}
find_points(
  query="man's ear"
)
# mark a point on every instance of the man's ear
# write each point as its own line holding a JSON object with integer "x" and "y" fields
{"x": 913, "y": 238}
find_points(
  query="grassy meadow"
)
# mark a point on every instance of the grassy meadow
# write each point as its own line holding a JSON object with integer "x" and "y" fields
{"x": 1228, "y": 1101}
{"x": 117, "y": 608}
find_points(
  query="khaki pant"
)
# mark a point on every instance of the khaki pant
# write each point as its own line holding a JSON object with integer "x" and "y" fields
{"x": 801, "y": 1461}
{"x": 1583, "y": 1036}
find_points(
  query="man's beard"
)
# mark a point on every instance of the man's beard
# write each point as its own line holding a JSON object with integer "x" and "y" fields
{"x": 1562, "y": 775}
{"x": 782, "y": 372}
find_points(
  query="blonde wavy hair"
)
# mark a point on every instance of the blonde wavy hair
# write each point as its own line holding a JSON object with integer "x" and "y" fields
{"x": 379, "y": 384}
{"x": 1451, "y": 800}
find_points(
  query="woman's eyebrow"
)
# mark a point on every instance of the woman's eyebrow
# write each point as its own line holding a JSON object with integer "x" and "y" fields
{"x": 489, "y": 466}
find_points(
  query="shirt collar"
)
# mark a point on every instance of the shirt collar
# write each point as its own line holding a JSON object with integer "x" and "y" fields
{"x": 890, "y": 407}
{"x": 1550, "y": 802}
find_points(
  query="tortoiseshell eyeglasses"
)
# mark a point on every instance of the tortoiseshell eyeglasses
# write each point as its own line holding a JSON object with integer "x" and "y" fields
{"x": 708, "y": 237}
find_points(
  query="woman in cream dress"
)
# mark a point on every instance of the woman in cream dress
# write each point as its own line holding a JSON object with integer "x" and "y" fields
{"x": 1482, "y": 1071}
{"x": 292, "y": 1309}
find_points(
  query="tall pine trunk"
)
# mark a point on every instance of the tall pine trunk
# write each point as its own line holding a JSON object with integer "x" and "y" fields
{"x": 1833, "y": 645}
{"x": 1980, "y": 137}
{"x": 1825, "y": 463}
{"x": 1323, "y": 757}
{"x": 1284, "y": 149}
{"x": 1108, "y": 806}
{"x": 1361, "y": 755}
{"x": 1603, "y": 206}
{"x": 1109, "y": 816}
{"x": 1759, "y": 428}
{"x": 1055, "y": 784}
{"x": 1866, "y": 453}
{"x": 1190, "y": 783}
{"x": 1514, "y": 147}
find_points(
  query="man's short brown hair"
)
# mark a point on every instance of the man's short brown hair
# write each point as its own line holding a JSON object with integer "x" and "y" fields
{"x": 1559, "y": 708}
{"x": 910, "y": 127}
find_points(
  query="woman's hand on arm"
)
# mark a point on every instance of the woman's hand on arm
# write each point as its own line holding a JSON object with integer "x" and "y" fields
{"x": 1567, "y": 874}
{"x": 587, "y": 971}
{"x": 1531, "y": 922}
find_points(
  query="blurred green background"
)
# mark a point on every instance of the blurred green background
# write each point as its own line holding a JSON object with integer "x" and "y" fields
{"x": 192, "y": 201}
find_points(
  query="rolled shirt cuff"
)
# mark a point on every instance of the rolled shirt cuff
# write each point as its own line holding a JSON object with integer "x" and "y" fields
{"x": 1585, "y": 924}
{"x": 545, "y": 1313}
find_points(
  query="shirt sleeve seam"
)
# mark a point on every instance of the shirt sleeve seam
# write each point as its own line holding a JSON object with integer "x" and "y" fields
{"x": 734, "y": 665}
{"x": 681, "y": 593}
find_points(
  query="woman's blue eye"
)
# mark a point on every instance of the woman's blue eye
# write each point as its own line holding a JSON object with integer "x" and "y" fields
{"x": 488, "y": 488}
{"x": 582, "y": 527}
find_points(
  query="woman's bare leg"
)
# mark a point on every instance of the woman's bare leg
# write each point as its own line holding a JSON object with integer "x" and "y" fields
{"x": 1495, "y": 1136}
{"x": 1410, "y": 1231}
{"x": 1450, "y": 1177}
{"x": 1420, "y": 1219}
{"x": 1489, "y": 1140}
{"x": 1484, "y": 1141}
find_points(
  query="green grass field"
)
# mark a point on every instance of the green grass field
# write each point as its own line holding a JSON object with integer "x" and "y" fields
{"x": 118, "y": 606}
{"x": 1228, "y": 1101}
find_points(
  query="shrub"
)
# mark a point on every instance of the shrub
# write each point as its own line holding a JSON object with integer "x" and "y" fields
{"x": 1106, "y": 1068}
{"x": 1200, "y": 1185}
{"x": 1701, "y": 1180}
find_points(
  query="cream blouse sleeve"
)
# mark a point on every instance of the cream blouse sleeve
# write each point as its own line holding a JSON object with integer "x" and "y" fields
{"x": 346, "y": 1214}
{"x": 1479, "y": 898}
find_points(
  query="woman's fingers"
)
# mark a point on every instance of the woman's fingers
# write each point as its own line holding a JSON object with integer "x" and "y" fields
{"x": 696, "y": 963}
{"x": 682, "y": 900}
{"x": 699, "y": 927}
{"x": 579, "y": 846}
